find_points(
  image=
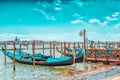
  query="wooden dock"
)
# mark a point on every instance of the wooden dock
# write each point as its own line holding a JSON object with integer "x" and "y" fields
{"x": 106, "y": 52}
{"x": 103, "y": 55}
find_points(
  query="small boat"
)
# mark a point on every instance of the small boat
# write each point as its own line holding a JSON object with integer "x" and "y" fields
{"x": 22, "y": 57}
{"x": 79, "y": 57}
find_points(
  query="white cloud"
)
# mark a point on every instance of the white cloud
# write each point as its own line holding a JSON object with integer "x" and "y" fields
{"x": 76, "y": 15}
{"x": 58, "y": 8}
{"x": 94, "y": 21}
{"x": 76, "y": 21}
{"x": 45, "y": 14}
{"x": 116, "y": 14}
{"x": 110, "y": 18}
{"x": 104, "y": 23}
{"x": 97, "y": 21}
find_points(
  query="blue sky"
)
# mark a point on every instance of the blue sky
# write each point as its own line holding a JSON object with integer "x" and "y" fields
{"x": 60, "y": 21}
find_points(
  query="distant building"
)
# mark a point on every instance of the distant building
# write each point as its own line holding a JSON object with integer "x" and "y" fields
{"x": 17, "y": 41}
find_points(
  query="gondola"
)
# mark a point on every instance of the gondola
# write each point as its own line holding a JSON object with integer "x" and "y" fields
{"x": 38, "y": 56}
{"x": 79, "y": 55}
{"x": 22, "y": 57}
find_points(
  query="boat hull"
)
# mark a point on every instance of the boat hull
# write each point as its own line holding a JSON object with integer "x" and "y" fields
{"x": 44, "y": 62}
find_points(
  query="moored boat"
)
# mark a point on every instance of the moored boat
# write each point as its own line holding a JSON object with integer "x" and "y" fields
{"x": 79, "y": 55}
{"x": 20, "y": 57}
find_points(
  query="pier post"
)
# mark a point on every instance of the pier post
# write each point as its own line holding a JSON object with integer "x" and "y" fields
{"x": 119, "y": 55}
{"x": 43, "y": 48}
{"x": 85, "y": 41}
{"x": 61, "y": 47}
{"x": 84, "y": 38}
{"x": 33, "y": 48}
{"x": 50, "y": 49}
{"x": 95, "y": 53}
{"x": 100, "y": 50}
{"x": 20, "y": 48}
{"x": 64, "y": 48}
{"x": 87, "y": 52}
{"x": 99, "y": 44}
{"x": 69, "y": 48}
{"x": 75, "y": 46}
{"x": 14, "y": 59}
{"x": 74, "y": 52}
{"x": 5, "y": 54}
{"x": 27, "y": 46}
{"x": 54, "y": 50}
{"x": 107, "y": 62}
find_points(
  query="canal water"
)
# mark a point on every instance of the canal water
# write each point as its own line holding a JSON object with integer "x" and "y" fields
{"x": 27, "y": 72}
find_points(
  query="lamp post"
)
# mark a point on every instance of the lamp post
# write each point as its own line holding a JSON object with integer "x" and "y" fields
{"x": 83, "y": 33}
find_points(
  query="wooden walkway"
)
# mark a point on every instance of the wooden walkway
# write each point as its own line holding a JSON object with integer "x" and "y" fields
{"x": 103, "y": 55}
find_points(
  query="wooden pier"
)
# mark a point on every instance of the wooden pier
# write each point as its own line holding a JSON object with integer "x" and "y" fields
{"x": 103, "y": 55}
{"x": 101, "y": 51}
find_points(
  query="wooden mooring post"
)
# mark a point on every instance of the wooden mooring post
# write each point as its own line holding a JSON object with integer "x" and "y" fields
{"x": 61, "y": 47}
{"x": 50, "y": 49}
{"x": 20, "y": 48}
{"x": 14, "y": 59}
{"x": 107, "y": 56}
{"x": 43, "y": 48}
{"x": 33, "y": 48}
{"x": 100, "y": 51}
{"x": 74, "y": 52}
{"x": 54, "y": 50}
{"x": 5, "y": 54}
{"x": 69, "y": 48}
{"x": 64, "y": 48}
{"x": 119, "y": 55}
{"x": 85, "y": 40}
{"x": 75, "y": 46}
{"x": 86, "y": 52}
{"x": 27, "y": 46}
{"x": 95, "y": 53}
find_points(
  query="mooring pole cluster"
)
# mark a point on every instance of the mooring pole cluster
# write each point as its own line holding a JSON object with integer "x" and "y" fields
{"x": 99, "y": 52}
